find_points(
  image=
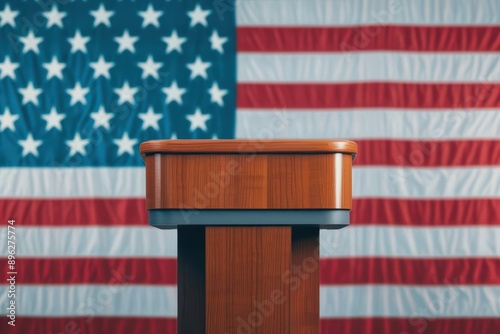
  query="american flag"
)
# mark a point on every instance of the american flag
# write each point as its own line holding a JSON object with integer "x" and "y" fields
{"x": 415, "y": 83}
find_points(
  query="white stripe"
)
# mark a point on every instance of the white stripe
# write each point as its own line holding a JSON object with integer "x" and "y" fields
{"x": 355, "y": 241}
{"x": 72, "y": 182}
{"x": 363, "y": 12}
{"x": 368, "y": 124}
{"x": 429, "y": 302}
{"x": 368, "y": 66}
{"x": 411, "y": 242}
{"x": 463, "y": 182}
{"x": 93, "y": 300}
{"x": 94, "y": 241}
{"x": 444, "y": 301}
{"x": 401, "y": 182}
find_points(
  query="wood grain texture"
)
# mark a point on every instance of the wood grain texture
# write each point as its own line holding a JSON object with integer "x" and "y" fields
{"x": 243, "y": 279}
{"x": 249, "y": 146}
{"x": 245, "y": 289}
{"x": 248, "y": 279}
{"x": 243, "y": 181}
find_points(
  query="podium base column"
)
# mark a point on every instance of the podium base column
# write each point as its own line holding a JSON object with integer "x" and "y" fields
{"x": 248, "y": 279}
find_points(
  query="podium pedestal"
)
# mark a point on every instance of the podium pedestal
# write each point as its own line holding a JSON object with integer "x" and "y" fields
{"x": 248, "y": 215}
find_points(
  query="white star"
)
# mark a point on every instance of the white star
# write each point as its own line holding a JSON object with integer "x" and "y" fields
{"x": 198, "y": 68}
{"x": 126, "y": 42}
{"x": 54, "y": 68}
{"x": 77, "y": 94}
{"x": 101, "y": 16}
{"x": 150, "y": 119}
{"x": 125, "y": 145}
{"x": 30, "y": 94}
{"x": 54, "y": 17}
{"x": 101, "y": 67}
{"x": 174, "y": 93}
{"x": 199, "y": 16}
{"x": 216, "y": 94}
{"x": 217, "y": 41}
{"x": 101, "y": 118}
{"x": 126, "y": 93}
{"x": 31, "y": 42}
{"x": 198, "y": 120}
{"x": 77, "y": 145}
{"x": 30, "y": 146}
{"x": 7, "y": 68}
{"x": 7, "y": 16}
{"x": 149, "y": 67}
{"x": 78, "y": 42}
{"x": 174, "y": 42}
{"x": 53, "y": 119}
{"x": 7, "y": 120}
{"x": 150, "y": 16}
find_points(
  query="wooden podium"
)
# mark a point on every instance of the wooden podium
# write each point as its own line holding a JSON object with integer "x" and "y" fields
{"x": 248, "y": 215}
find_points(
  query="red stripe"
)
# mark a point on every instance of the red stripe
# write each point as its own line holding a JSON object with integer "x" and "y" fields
{"x": 368, "y": 95}
{"x": 90, "y": 324}
{"x": 95, "y": 270}
{"x": 333, "y": 271}
{"x": 410, "y": 271}
{"x": 369, "y": 211}
{"x": 422, "y": 153}
{"x": 369, "y": 38}
{"x": 80, "y": 211}
{"x": 419, "y": 323}
{"x": 426, "y": 212}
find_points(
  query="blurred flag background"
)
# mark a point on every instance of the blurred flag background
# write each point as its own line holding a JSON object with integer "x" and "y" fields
{"x": 415, "y": 83}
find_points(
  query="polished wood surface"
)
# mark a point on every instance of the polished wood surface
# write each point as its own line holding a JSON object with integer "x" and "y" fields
{"x": 229, "y": 277}
{"x": 263, "y": 181}
{"x": 245, "y": 290}
{"x": 249, "y": 146}
{"x": 248, "y": 280}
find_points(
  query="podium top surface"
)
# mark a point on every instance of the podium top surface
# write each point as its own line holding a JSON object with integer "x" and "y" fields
{"x": 248, "y": 146}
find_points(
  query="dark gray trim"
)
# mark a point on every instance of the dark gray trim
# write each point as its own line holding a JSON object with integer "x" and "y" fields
{"x": 325, "y": 219}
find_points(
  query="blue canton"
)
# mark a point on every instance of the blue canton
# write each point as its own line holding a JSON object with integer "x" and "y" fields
{"x": 83, "y": 83}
